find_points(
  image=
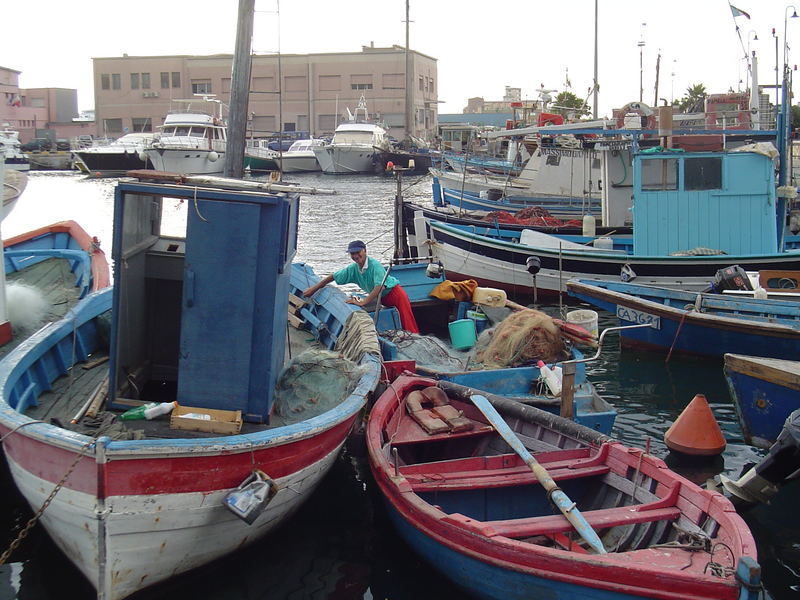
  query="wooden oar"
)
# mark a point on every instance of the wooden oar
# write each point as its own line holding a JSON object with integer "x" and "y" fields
{"x": 561, "y": 500}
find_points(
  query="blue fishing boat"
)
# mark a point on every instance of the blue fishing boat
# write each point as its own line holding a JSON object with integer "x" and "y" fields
{"x": 693, "y": 213}
{"x": 765, "y": 392}
{"x": 696, "y": 323}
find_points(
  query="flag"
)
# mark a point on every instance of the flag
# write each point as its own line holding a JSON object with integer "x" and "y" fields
{"x": 738, "y": 12}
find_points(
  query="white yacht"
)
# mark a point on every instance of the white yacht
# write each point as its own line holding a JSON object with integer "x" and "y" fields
{"x": 189, "y": 142}
{"x": 120, "y": 156}
{"x": 300, "y": 156}
{"x": 11, "y": 148}
{"x": 356, "y": 145}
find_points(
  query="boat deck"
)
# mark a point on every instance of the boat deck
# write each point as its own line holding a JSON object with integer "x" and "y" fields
{"x": 70, "y": 393}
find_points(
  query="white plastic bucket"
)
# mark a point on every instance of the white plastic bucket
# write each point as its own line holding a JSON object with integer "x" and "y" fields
{"x": 585, "y": 318}
{"x": 603, "y": 243}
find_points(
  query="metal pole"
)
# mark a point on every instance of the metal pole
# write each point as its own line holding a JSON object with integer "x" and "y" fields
{"x": 594, "y": 111}
{"x": 777, "y": 101}
{"x": 409, "y": 80}
{"x": 240, "y": 88}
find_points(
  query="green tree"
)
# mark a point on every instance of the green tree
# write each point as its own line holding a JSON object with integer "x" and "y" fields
{"x": 694, "y": 100}
{"x": 567, "y": 102}
{"x": 796, "y": 117}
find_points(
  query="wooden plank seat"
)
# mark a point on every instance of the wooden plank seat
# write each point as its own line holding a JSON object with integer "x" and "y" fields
{"x": 664, "y": 509}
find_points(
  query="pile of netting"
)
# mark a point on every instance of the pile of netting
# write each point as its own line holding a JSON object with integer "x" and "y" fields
{"x": 533, "y": 216}
{"x": 427, "y": 351}
{"x": 312, "y": 383}
{"x": 521, "y": 339}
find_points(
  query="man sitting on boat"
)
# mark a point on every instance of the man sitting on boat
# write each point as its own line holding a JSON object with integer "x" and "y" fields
{"x": 370, "y": 275}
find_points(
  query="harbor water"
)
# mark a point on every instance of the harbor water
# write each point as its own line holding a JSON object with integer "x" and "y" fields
{"x": 340, "y": 545}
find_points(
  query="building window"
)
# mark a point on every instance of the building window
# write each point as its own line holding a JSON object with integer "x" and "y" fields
{"x": 360, "y": 86}
{"x": 326, "y": 123}
{"x": 112, "y": 125}
{"x": 176, "y": 79}
{"x": 431, "y": 86}
{"x": 263, "y": 84}
{"x": 164, "y": 80}
{"x": 105, "y": 82}
{"x": 37, "y": 102}
{"x": 361, "y": 82}
{"x": 294, "y": 83}
{"x": 145, "y": 81}
{"x": 116, "y": 81}
{"x": 421, "y": 83}
{"x": 201, "y": 86}
{"x": 134, "y": 81}
{"x": 142, "y": 124}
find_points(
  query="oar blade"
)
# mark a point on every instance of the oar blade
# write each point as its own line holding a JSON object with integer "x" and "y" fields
{"x": 574, "y": 516}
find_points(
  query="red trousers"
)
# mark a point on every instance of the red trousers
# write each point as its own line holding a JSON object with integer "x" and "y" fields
{"x": 398, "y": 298}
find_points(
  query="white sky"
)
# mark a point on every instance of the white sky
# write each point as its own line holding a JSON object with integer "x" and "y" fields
{"x": 481, "y": 46}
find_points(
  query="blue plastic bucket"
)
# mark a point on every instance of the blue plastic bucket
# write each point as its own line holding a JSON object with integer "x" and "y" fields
{"x": 481, "y": 321}
{"x": 462, "y": 334}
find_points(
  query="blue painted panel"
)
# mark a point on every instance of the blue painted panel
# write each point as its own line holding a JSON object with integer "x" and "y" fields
{"x": 739, "y": 218}
{"x": 762, "y": 406}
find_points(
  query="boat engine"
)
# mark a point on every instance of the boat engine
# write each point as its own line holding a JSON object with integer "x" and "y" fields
{"x": 780, "y": 466}
{"x": 729, "y": 278}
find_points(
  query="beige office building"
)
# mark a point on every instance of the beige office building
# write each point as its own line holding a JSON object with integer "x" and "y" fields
{"x": 300, "y": 92}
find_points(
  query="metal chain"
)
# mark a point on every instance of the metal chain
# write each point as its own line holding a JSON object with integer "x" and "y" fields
{"x": 35, "y": 518}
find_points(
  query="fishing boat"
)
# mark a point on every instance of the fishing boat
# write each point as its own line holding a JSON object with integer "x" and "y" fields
{"x": 356, "y": 145}
{"x": 696, "y": 323}
{"x": 476, "y": 504}
{"x": 680, "y": 249}
{"x": 765, "y": 391}
{"x": 258, "y": 156}
{"x": 198, "y": 316}
{"x": 120, "y": 156}
{"x": 190, "y": 141}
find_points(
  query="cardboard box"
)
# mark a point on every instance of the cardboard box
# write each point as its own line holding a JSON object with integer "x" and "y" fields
{"x": 222, "y": 421}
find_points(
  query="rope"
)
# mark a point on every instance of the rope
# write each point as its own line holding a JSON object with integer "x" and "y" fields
{"x": 675, "y": 339}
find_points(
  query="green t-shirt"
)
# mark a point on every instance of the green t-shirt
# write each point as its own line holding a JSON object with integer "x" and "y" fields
{"x": 367, "y": 280}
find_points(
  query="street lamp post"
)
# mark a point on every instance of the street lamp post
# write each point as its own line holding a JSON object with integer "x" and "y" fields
{"x": 785, "y": 41}
{"x": 749, "y": 57}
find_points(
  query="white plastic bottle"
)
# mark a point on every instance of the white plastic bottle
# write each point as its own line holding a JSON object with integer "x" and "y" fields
{"x": 162, "y": 408}
{"x": 551, "y": 379}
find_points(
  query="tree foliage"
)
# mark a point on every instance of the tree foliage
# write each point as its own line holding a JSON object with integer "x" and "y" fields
{"x": 567, "y": 102}
{"x": 694, "y": 100}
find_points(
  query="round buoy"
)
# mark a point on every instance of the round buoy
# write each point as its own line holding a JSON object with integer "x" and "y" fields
{"x": 389, "y": 166}
{"x": 696, "y": 432}
{"x": 143, "y": 156}
{"x": 213, "y": 156}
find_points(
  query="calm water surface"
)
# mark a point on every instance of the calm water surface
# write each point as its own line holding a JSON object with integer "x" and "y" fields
{"x": 340, "y": 545}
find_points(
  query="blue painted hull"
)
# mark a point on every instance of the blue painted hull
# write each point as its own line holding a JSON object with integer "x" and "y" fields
{"x": 728, "y": 325}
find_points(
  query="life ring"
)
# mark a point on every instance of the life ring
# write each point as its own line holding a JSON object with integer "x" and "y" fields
{"x": 646, "y": 113}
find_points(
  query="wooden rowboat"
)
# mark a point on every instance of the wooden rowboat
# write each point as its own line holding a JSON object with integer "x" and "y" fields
{"x": 472, "y": 508}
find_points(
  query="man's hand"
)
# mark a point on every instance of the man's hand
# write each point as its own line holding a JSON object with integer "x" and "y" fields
{"x": 310, "y": 291}
{"x": 354, "y": 300}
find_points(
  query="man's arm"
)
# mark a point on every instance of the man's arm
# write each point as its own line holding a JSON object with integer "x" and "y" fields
{"x": 317, "y": 286}
{"x": 366, "y": 299}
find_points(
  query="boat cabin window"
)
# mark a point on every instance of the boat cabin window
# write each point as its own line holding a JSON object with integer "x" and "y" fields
{"x": 168, "y": 131}
{"x": 199, "y": 132}
{"x": 703, "y": 173}
{"x": 660, "y": 174}
{"x": 181, "y": 130}
{"x": 552, "y": 160}
{"x": 353, "y": 137}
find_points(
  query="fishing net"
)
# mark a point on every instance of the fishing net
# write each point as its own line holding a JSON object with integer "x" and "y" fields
{"x": 312, "y": 383}
{"x": 523, "y": 338}
{"x": 427, "y": 351}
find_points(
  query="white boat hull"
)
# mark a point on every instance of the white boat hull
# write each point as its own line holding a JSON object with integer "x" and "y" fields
{"x": 346, "y": 159}
{"x": 299, "y": 164}
{"x": 185, "y": 160}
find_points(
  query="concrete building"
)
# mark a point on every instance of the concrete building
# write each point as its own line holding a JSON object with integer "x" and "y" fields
{"x": 39, "y": 112}
{"x": 296, "y": 92}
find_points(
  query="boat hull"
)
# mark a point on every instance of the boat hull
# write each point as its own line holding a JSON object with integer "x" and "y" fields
{"x": 191, "y": 161}
{"x": 299, "y": 164}
{"x": 503, "y": 264}
{"x": 764, "y": 393}
{"x": 109, "y": 164}
{"x": 342, "y": 160}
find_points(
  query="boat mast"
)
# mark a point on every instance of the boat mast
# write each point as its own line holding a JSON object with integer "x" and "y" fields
{"x": 240, "y": 88}
{"x": 594, "y": 109}
{"x": 409, "y": 107}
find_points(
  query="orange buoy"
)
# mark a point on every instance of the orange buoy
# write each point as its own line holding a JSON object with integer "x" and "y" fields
{"x": 696, "y": 431}
{"x": 389, "y": 166}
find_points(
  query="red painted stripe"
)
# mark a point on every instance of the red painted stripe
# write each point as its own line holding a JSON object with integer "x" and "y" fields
{"x": 173, "y": 475}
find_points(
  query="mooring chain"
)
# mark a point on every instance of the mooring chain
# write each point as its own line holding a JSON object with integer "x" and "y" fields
{"x": 37, "y": 515}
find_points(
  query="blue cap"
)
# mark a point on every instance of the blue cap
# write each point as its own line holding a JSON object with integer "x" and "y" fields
{"x": 355, "y": 246}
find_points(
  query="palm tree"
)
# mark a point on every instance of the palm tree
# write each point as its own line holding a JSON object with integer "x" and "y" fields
{"x": 694, "y": 100}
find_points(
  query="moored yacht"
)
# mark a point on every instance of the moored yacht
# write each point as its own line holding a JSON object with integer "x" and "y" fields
{"x": 11, "y": 148}
{"x": 300, "y": 156}
{"x": 118, "y": 157}
{"x": 189, "y": 142}
{"x": 356, "y": 145}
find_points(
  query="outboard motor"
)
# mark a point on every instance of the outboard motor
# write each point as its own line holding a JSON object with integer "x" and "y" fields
{"x": 730, "y": 278}
{"x": 781, "y": 465}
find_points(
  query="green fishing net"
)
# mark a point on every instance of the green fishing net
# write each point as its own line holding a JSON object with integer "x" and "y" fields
{"x": 313, "y": 383}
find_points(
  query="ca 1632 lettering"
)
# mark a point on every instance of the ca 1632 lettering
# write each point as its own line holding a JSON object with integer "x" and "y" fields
{"x": 639, "y": 317}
